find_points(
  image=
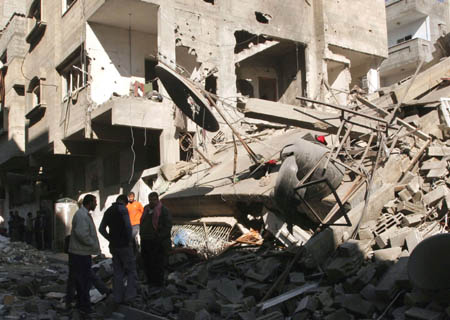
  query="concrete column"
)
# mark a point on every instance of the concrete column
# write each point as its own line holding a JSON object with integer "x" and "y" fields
{"x": 169, "y": 147}
{"x": 373, "y": 80}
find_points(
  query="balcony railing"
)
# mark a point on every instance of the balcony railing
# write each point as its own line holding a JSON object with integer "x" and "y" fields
{"x": 407, "y": 52}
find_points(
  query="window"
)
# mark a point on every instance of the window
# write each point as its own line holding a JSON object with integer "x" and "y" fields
{"x": 35, "y": 106}
{"x": 405, "y": 38}
{"x": 66, "y": 4}
{"x": 35, "y": 11}
{"x": 150, "y": 75}
{"x": 36, "y": 25}
{"x": 74, "y": 73}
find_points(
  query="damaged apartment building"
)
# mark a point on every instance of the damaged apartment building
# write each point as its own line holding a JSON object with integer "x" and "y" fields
{"x": 83, "y": 111}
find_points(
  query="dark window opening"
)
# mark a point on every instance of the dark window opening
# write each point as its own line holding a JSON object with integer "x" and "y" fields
{"x": 406, "y": 38}
{"x": 151, "y": 83}
{"x": 211, "y": 84}
{"x": 244, "y": 38}
{"x": 69, "y": 3}
{"x": 186, "y": 146}
{"x": 209, "y": 1}
{"x": 111, "y": 170}
{"x": 268, "y": 89}
{"x": 245, "y": 88}
{"x": 263, "y": 17}
{"x": 74, "y": 72}
{"x": 35, "y": 11}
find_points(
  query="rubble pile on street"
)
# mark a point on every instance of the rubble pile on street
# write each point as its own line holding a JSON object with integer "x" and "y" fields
{"x": 343, "y": 254}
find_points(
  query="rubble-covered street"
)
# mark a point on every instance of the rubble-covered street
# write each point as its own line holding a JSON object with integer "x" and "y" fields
{"x": 254, "y": 160}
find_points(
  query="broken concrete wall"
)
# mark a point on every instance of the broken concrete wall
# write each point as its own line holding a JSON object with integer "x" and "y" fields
{"x": 361, "y": 28}
{"x": 109, "y": 50}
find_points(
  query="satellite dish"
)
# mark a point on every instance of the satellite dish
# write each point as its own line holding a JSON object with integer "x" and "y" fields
{"x": 186, "y": 97}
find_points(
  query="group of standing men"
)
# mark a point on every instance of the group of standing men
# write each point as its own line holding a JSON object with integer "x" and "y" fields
{"x": 121, "y": 223}
{"x": 31, "y": 230}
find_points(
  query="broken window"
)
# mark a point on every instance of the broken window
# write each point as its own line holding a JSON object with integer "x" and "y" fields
{"x": 66, "y": 4}
{"x": 209, "y": 1}
{"x": 151, "y": 83}
{"x": 274, "y": 70}
{"x": 405, "y": 38}
{"x": 211, "y": 84}
{"x": 35, "y": 11}
{"x": 35, "y": 106}
{"x": 74, "y": 73}
{"x": 263, "y": 17}
{"x": 245, "y": 39}
{"x": 37, "y": 29}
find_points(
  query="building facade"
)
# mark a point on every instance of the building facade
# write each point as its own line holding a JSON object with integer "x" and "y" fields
{"x": 82, "y": 110}
{"x": 413, "y": 28}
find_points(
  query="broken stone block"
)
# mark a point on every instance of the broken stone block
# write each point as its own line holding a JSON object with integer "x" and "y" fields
{"x": 382, "y": 239}
{"x": 340, "y": 314}
{"x": 398, "y": 239}
{"x": 325, "y": 299}
{"x": 435, "y": 195}
{"x": 412, "y": 239}
{"x": 405, "y": 195}
{"x": 297, "y": 278}
{"x": 422, "y": 314}
{"x": 412, "y": 220}
{"x": 365, "y": 232}
{"x": 342, "y": 267}
{"x": 186, "y": 314}
{"x": 386, "y": 287}
{"x": 388, "y": 254}
{"x": 363, "y": 277}
{"x": 416, "y": 298}
{"x": 276, "y": 315}
{"x": 399, "y": 313}
{"x": 355, "y": 304}
{"x": 303, "y": 315}
{"x": 264, "y": 269}
{"x": 309, "y": 303}
{"x": 229, "y": 290}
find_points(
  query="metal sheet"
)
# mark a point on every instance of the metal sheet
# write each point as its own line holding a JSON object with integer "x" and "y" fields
{"x": 186, "y": 97}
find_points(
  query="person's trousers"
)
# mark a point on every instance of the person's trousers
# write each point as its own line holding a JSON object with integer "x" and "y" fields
{"x": 71, "y": 282}
{"x": 134, "y": 235}
{"x": 154, "y": 255}
{"x": 81, "y": 267}
{"x": 124, "y": 265}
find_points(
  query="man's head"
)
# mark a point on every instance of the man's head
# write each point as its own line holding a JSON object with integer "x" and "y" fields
{"x": 131, "y": 196}
{"x": 122, "y": 199}
{"x": 153, "y": 199}
{"x": 90, "y": 202}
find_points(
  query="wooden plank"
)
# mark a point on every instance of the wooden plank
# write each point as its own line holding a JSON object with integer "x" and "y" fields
{"x": 416, "y": 132}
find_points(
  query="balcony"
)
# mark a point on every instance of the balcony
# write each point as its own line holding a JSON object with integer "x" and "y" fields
{"x": 402, "y": 12}
{"x": 406, "y": 55}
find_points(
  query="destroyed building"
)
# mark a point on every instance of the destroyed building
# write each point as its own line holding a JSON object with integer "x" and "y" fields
{"x": 82, "y": 110}
{"x": 299, "y": 195}
{"x": 413, "y": 27}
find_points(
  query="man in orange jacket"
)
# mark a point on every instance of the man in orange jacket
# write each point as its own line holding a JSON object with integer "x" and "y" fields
{"x": 135, "y": 210}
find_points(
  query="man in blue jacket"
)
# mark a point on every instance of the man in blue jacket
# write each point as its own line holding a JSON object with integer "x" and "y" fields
{"x": 117, "y": 220}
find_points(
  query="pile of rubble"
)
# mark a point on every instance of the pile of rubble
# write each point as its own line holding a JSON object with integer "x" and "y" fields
{"x": 33, "y": 282}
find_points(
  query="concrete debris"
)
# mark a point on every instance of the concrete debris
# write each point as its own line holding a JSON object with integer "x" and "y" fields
{"x": 323, "y": 226}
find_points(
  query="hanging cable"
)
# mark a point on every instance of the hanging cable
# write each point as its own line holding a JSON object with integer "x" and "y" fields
{"x": 129, "y": 104}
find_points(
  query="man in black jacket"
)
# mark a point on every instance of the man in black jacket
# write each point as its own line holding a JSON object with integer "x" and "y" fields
{"x": 156, "y": 225}
{"x": 117, "y": 220}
